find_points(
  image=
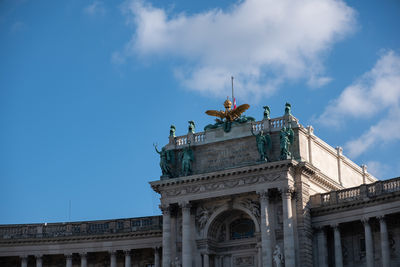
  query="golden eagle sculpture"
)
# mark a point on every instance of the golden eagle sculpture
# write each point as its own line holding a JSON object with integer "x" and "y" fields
{"x": 228, "y": 116}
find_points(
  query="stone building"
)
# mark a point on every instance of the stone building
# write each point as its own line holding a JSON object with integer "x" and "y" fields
{"x": 225, "y": 203}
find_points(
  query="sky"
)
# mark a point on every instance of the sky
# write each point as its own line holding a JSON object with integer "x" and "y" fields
{"x": 87, "y": 87}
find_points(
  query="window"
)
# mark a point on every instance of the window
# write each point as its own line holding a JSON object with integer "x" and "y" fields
{"x": 241, "y": 228}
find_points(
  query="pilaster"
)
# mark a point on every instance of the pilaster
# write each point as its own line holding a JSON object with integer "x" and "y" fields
{"x": 288, "y": 231}
{"x": 166, "y": 238}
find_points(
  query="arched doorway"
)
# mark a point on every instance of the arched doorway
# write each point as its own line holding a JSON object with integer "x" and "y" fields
{"x": 232, "y": 236}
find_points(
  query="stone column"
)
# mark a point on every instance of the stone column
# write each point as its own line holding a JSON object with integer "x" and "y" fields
{"x": 384, "y": 242}
{"x": 39, "y": 261}
{"x": 259, "y": 255}
{"x": 127, "y": 254}
{"x": 68, "y": 258}
{"x": 186, "y": 236}
{"x": 369, "y": 249}
{"x": 322, "y": 248}
{"x": 24, "y": 261}
{"x": 206, "y": 260}
{"x": 338, "y": 246}
{"x": 156, "y": 257}
{"x": 288, "y": 233}
{"x": 83, "y": 260}
{"x": 113, "y": 259}
{"x": 166, "y": 237}
{"x": 266, "y": 251}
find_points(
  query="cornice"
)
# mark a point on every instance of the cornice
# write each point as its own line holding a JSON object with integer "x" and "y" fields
{"x": 325, "y": 182}
{"x": 74, "y": 239}
{"x": 162, "y": 185}
{"x": 355, "y": 204}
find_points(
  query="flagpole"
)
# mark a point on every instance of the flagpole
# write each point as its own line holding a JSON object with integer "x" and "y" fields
{"x": 232, "y": 88}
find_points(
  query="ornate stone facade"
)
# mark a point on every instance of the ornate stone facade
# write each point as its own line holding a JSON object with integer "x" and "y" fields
{"x": 316, "y": 208}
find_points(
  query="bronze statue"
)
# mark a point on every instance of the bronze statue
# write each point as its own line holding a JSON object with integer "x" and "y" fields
{"x": 267, "y": 111}
{"x": 166, "y": 160}
{"x": 286, "y": 139}
{"x": 172, "y": 131}
{"x": 288, "y": 109}
{"x": 263, "y": 143}
{"x": 187, "y": 158}
{"x": 192, "y": 127}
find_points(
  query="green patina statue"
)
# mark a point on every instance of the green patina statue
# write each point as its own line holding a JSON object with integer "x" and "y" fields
{"x": 267, "y": 111}
{"x": 166, "y": 160}
{"x": 263, "y": 144}
{"x": 288, "y": 109}
{"x": 286, "y": 136}
{"x": 172, "y": 131}
{"x": 187, "y": 158}
{"x": 192, "y": 127}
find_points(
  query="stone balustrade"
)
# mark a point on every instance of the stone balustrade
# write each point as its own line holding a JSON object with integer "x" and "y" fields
{"x": 361, "y": 192}
{"x": 274, "y": 124}
{"x": 53, "y": 230}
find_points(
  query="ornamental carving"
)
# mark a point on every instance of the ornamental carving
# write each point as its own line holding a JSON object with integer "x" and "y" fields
{"x": 203, "y": 214}
{"x": 252, "y": 206}
{"x": 244, "y": 261}
{"x": 220, "y": 185}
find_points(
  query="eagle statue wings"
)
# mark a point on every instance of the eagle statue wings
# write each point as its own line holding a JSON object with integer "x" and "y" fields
{"x": 228, "y": 114}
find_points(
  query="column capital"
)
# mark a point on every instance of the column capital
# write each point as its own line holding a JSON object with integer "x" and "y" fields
{"x": 264, "y": 195}
{"x": 287, "y": 192}
{"x": 38, "y": 256}
{"x": 381, "y": 218}
{"x": 319, "y": 228}
{"x": 365, "y": 221}
{"x": 185, "y": 205}
{"x": 165, "y": 209}
{"x": 83, "y": 254}
{"x": 68, "y": 256}
{"x": 127, "y": 252}
{"x": 335, "y": 226}
{"x": 112, "y": 252}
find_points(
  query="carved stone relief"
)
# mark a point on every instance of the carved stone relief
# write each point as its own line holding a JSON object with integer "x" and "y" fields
{"x": 220, "y": 185}
{"x": 244, "y": 261}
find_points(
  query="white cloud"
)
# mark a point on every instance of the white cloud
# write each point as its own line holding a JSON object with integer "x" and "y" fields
{"x": 376, "y": 168}
{"x": 96, "y": 8}
{"x": 261, "y": 42}
{"x": 376, "y": 91}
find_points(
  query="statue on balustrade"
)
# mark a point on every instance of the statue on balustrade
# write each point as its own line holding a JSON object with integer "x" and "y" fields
{"x": 167, "y": 159}
{"x": 192, "y": 127}
{"x": 286, "y": 136}
{"x": 267, "y": 111}
{"x": 288, "y": 109}
{"x": 187, "y": 159}
{"x": 264, "y": 143}
{"x": 172, "y": 130}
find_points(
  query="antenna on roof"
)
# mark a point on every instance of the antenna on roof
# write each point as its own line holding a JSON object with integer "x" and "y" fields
{"x": 233, "y": 97}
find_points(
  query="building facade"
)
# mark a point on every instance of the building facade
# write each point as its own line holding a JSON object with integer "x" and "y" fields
{"x": 241, "y": 193}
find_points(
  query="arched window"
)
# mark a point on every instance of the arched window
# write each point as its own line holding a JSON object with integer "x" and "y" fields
{"x": 241, "y": 228}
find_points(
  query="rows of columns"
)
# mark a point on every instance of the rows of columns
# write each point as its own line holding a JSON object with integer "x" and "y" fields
{"x": 369, "y": 244}
{"x": 113, "y": 259}
{"x": 266, "y": 236}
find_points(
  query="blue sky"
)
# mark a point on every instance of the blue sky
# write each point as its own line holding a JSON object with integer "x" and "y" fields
{"x": 86, "y": 87}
